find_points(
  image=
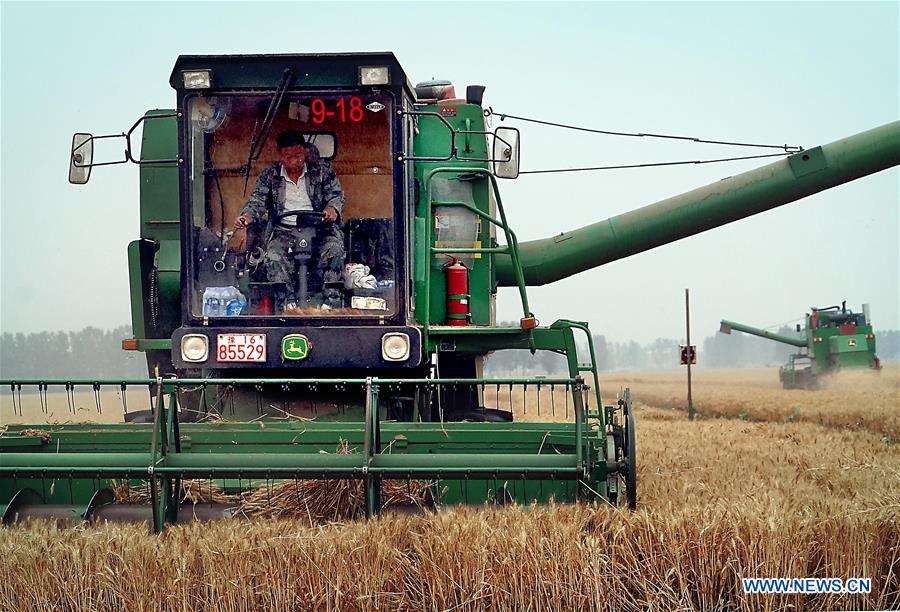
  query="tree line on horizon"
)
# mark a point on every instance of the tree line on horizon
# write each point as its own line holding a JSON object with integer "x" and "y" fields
{"x": 737, "y": 350}
{"x": 97, "y": 353}
{"x": 87, "y": 353}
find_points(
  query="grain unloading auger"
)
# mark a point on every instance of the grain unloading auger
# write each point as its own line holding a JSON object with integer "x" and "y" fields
{"x": 833, "y": 338}
{"x": 257, "y": 377}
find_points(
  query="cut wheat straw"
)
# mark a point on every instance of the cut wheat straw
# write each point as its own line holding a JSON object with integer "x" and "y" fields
{"x": 314, "y": 501}
{"x": 320, "y": 501}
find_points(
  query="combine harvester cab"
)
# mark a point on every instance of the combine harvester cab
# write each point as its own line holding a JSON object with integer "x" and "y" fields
{"x": 833, "y": 338}
{"x": 329, "y": 318}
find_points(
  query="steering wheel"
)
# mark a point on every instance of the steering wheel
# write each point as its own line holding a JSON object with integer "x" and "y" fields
{"x": 305, "y": 218}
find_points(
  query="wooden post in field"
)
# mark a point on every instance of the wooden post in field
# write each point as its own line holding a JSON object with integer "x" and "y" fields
{"x": 688, "y": 356}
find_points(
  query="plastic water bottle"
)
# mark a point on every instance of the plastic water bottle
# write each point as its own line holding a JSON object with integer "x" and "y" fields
{"x": 212, "y": 302}
{"x": 223, "y": 302}
{"x": 235, "y": 302}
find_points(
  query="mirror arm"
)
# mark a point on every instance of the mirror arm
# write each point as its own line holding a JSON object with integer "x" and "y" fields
{"x": 453, "y": 135}
{"x": 446, "y": 124}
{"x": 127, "y": 136}
{"x": 129, "y": 156}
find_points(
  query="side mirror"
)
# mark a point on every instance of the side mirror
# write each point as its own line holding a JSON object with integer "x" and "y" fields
{"x": 505, "y": 153}
{"x": 81, "y": 159}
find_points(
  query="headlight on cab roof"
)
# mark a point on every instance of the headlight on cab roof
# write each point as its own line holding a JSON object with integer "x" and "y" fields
{"x": 197, "y": 79}
{"x": 395, "y": 346}
{"x": 374, "y": 75}
{"x": 194, "y": 348}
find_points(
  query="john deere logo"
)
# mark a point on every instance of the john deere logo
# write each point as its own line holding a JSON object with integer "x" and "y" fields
{"x": 295, "y": 347}
{"x": 851, "y": 343}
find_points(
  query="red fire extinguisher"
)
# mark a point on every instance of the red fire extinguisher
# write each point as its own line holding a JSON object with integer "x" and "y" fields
{"x": 457, "y": 293}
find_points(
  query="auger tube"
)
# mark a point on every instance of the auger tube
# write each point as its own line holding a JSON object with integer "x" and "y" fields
{"x": 755, "y": 331}
{"x": 787, "y": 180}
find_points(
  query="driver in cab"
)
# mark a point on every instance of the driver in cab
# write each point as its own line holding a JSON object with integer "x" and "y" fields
{"x": 299, "y": 181}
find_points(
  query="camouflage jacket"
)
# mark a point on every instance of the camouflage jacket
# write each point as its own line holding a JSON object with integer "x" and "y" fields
{"x": 322, "y": 185}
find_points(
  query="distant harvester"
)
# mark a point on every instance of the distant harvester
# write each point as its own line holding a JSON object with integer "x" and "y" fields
{"x": 835, "y": 338}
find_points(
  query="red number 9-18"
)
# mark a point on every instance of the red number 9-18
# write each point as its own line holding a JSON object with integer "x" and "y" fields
{"x": 344, "y": 110}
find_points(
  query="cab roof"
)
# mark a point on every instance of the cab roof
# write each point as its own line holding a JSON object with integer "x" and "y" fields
{"x": 310, "y": 69}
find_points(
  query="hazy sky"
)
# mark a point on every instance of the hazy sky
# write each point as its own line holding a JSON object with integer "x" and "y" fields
{"x": 806, "y": 73}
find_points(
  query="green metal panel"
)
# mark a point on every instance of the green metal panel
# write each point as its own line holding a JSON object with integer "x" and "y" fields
{"x": 159, "y": 184}
{"x": 848, "y": 344}
{"x": 169, "y": 266}
{"x": 728, "y": 200}
{"x": 140, "y": 263}
{"x": 160, "y": 223}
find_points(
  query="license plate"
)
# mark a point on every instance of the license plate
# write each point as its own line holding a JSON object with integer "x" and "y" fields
{"x": 241, "y": 347}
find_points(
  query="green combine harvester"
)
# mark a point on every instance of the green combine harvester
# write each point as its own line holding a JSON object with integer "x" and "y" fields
{"x": 257, "y": 377}
{"x": 833, "y": 338}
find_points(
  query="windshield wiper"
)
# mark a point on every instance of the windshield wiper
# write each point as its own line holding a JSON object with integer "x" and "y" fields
{"x": 258, "y": 140}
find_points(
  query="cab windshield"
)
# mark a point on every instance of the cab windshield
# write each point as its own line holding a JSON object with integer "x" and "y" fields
{"x": 292, "y": 206}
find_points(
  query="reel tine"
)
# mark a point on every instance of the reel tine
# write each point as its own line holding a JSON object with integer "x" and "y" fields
{"x": 479, "y": 393}
{"x": 124, "y": 388}
{"x": 70, "y": 396}
{"x": 12, "y": 396}
{"x": 203, "y": 388}
{"x": 42, "y": 395}
{"x": 97, "y": 397}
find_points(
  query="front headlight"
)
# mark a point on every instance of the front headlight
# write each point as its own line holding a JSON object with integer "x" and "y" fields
{"x": 194, "y": 347}
{"x": 374, "y": 75}
{"x": 395, "y": 346}
{"x": 196, "y": 79}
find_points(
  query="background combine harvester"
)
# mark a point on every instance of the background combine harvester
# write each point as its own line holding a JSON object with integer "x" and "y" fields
{"x": 394, "y": 375}
{"x": 833, "y": 338}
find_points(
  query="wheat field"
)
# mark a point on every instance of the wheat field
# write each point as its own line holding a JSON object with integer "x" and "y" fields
{"x": 766, "y": 483}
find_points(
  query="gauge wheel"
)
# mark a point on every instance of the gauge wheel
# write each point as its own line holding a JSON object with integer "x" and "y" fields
{"x": 630, "y": 455}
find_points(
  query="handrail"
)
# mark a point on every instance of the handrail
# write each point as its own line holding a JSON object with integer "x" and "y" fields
{"x": 584, "y": 328}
